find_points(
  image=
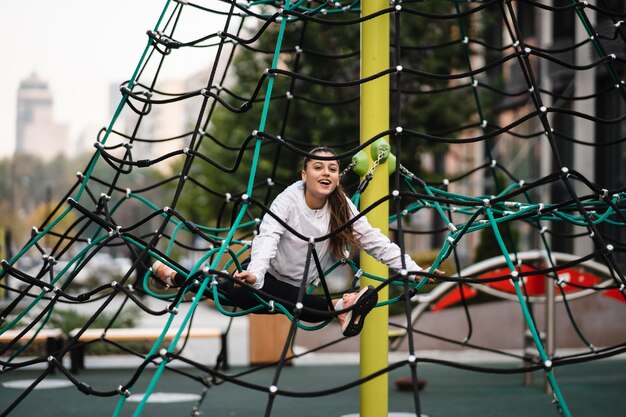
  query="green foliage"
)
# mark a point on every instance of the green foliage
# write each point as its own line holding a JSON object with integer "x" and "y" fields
{"x": 31, "y": 188}
{"x": 70, "y": 319}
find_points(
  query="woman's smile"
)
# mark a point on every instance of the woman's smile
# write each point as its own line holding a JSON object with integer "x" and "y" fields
{"x": 320, "y": 178}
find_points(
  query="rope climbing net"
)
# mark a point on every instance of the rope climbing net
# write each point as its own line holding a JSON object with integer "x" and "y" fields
{"x": 531, "y": 115}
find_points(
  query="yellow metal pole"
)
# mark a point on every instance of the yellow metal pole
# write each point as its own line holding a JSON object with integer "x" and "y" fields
{"x": 374, "y": 119}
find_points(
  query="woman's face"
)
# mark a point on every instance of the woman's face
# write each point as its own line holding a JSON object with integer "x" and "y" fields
{"x": 321, "y": 177}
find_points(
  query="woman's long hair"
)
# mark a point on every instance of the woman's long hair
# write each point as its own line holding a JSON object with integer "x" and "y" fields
{"x": 340, "y": 214}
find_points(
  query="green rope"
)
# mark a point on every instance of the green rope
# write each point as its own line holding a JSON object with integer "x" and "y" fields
{"x": 527, "y": 316}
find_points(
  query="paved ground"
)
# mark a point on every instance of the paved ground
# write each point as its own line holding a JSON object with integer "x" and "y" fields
{"x": 591, "y": 389}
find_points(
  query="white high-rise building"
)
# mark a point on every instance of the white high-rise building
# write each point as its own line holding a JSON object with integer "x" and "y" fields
{"x": 36, "y": 132}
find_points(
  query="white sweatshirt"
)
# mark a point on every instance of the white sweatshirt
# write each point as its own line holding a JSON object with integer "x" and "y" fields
{"x": 282, "y": 254}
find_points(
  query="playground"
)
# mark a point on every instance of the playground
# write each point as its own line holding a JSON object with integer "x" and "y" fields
{"x": 481, "y": 230}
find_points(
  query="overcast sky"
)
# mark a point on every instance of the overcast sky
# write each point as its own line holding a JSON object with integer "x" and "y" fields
{"x": 79, "y": 47}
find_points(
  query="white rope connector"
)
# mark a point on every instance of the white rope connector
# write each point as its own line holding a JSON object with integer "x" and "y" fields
{"x": 399, "y": 68}
{"x": 297, "y": 49}
{"x": 543, "y": 109}
{"x": 516, "y": 43}
{"x": 395, "y": 193}
{"x": 288, "y": 95}
{"x": 359, "y": 273}
{"x": 521, "y": 183}
{"x": 404, "y": 212}
{"x": 450, "y": 239}
{"x": 51, "y": 259}
{"x": 475, "y": 83}
{"x": 255, "y": 133}
{"x": 609, "y": 247}
{"x": 565, "y": 170}
{"x": 172, "y": 310}
{"x": 398, "y": 8}
{"x": 166, "y": 209}
{"x": 273, "y": 389}
{"x": 163, "y": 353}
{"x": 514, "y": 274}
{"x": 540, "y": 208}
{"x": 452, "y": 227}
{"x": 122, "y": 391}
{"x": 50, "y": 358}
{"x": 446, "y": 181}
{"x": 527, "y": 50}
{"x": 114, "y": 283}
{"x": 548, "y": 364}
{"x": 128, "y": 192}
{"x": 399, "y": 129}
{"x": 299, "y": 306}
{"x": 272, "y": 306}
{"x": 105, "y": 196}
{"x": 543, "y": 230}
{"x": 245, "y": 197}
{"x": 228, "y": 197}
{"x": 483, "y": 123}
{"x": 531, "y": 89}
{"x": 619, "y": 23}
{"x": 465, "y": 40}
{"x": 613, "y": 56}
{"x": 403, "y": 272}
{"x": 412, "y": 359}
{"x": 493, "y": 163}
{"x": 311, "y": 240}
{"x": 486, "y": 202}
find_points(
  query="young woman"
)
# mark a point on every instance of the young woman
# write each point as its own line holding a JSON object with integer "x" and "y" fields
{"x": 314, "y": 206}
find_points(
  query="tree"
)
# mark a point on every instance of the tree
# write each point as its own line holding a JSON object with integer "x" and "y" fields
{"x": 313, "y": 116}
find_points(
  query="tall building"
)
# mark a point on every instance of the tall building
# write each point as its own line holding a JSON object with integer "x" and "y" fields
{"x": 36, "y": 132}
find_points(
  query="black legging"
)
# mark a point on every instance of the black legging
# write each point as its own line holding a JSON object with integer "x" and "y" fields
{"x": 243, "y": 298}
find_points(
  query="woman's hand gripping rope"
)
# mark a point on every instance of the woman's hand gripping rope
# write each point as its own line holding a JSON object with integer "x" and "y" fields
{"x": 244, "y": 276}
{"x": 435, "y": 272}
